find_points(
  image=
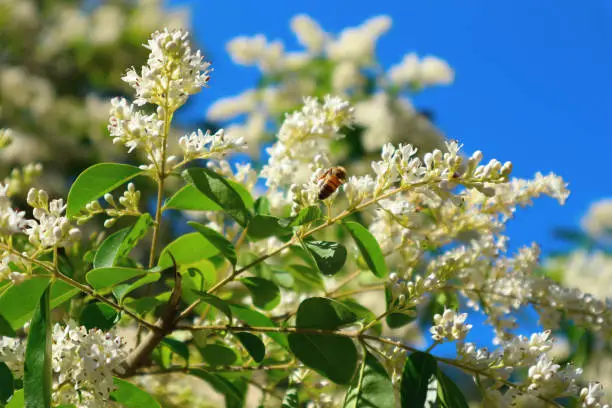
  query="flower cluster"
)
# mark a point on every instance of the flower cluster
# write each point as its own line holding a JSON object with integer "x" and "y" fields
{"x": 172, "y": 74}
{"x": 83, "y": 363}
{"x": 347, "y": 64}
{"x": 49, "y": 228}
{"x": 305, "y": 134}
{"x": 170, "y": 59}
{"x": 450, "y": 326}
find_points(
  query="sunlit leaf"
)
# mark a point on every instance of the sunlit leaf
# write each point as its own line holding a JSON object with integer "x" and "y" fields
{"x": 37, "y": 366}
{"x": 96, "y": 181}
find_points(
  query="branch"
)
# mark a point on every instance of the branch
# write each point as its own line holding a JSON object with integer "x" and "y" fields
{"x": 362, "y": 337}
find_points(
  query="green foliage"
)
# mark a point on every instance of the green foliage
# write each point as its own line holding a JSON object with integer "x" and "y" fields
{"x": 253, "y": 344}
{"x": 329, "y": 257}
{"x": 130, "y": 396}
{"x": 305, "y": 216}
{"x": 266, "y": 226}
{"x": 264, "y": 292}
{"x": 449, "y": 395}
{"x": 218, "y": 355}
{"x": 188, "y": 250}
{"x": 254, "y": 318}
{"x": 6, "y": 383}
{"x": 418, "y": 370}
{"x": 96, "y": 181}
{"x": 217, "y": 303}
{"x": 119, "y": 244}
{"x": 225, "y": 247}
{"x": 307, "y": 276}
{"x": 332, "y": 356}
{"x": 372, "y": 388}
{"x": 17, "y": 401}
{"x": 221, "y": 192}
{"x": 104, "y": 278}
{"x": 37, "y": 367}
{"x": 98, "y": 315}
{"x": 369, "y": 248}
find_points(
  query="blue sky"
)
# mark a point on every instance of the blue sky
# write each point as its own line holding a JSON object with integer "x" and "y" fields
{"x": 533, "y": 80}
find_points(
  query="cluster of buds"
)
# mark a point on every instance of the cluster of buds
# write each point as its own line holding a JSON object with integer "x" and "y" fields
{"x": 128, "y": 206}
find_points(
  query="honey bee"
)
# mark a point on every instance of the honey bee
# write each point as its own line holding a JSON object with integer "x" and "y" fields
{"x": 332, "y": 179}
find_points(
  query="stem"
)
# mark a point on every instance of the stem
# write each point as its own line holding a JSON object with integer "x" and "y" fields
{"x": 161, "y": 175}
{"x": 376, "y": 320}
{"x": 361, "y": 373}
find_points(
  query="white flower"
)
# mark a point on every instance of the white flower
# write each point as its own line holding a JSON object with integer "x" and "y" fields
{"x": 309, "y": 33}
{"x": 346, "y": 76}
{"x": 206, "y": 145}
{"x": 11, "y": 221}
{"x": 449, "y": 326}
{"x": 12, "y": 353}
{"x": 304, "y": 135}
{"x": 173, "y": 71}
{"x": 357, "y": 44}
{"x": 49, "y": 228}
{"x": 358, "y": 189}
{"x": 598, "y": 220}
{"x": 426, "y": 72}
{"x": 591, "y": 396}
{"x": 227, "y": 108}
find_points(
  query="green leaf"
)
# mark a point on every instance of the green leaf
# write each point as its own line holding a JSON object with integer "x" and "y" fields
{"x": 5, "y": 328}
{"x": 323, "y": 313}
{"x": 266, "y": 226}
{"x": 143, "y": 305}
{"x": 217, "y": 240}
{"x": 253, "y": 345}
{"x": 215, "y": 302}
{"x": 137, "y": 232}
{"x": 188, "y": 249}
{"x": 328, "y": 256}
{"x": 306, "y": 275}
{"x": 331, "y": 355}
{"x": 220, "y": 384}
{"x": 216, "y": 355}
{"x": 17, "y": 401}
{"x": 369, "y": 248}
{"x": 37, "y": 366}
{"x": 7, "y": 385}
{"x": 262, "y": 206}
{"x": 254, "y": 318}
{"x": 418, "y": 370}
{"x": 190, "y": 198}
{"x": 220, "y": 191}
{"x": 291, "y": 400}
{"x": 372, "y": 388}
{"x": 363, "y": 314}
{"x": 18, "y": 302}
{"x": 306, "y": 215}
{"x": 98, "y": 315}
{"x": 265, "y": 293}
{"x": 130, "y": 396}
{"x": 449, "y": 394}
{"x": 123, "y": 289}
{"x": 96, "y": 181}
{"x": 104, "y": 278}
{"x": 194, "y": 281}
{"x": 177, "y": 347}
{"x": 106, "y": 255}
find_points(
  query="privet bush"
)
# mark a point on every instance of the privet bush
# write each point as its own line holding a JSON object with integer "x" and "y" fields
{"x": 269, "y": 292}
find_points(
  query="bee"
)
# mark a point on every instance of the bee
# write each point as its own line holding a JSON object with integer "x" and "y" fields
{"x": 332, "y": 179}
